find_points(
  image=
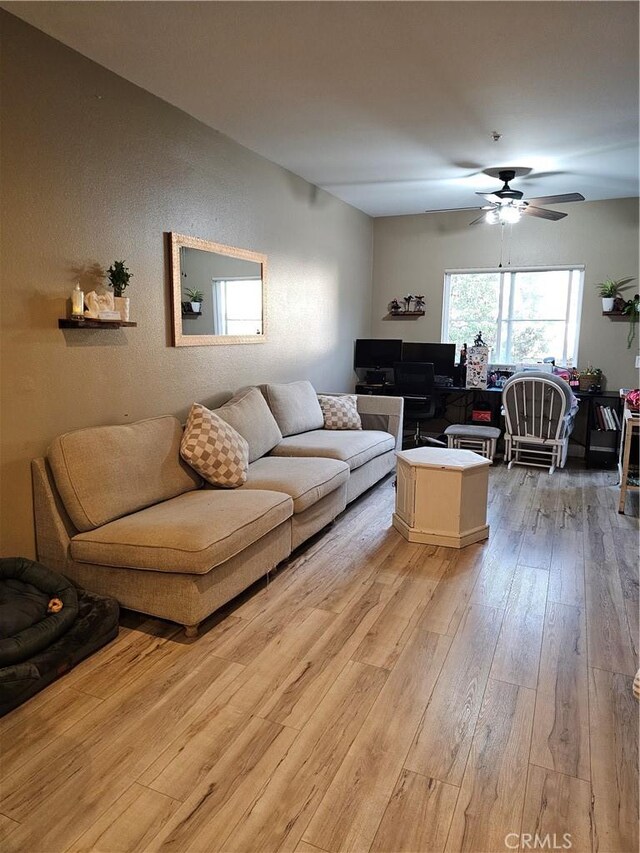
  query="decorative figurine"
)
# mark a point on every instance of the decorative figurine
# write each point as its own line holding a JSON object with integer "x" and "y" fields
{"x": 419, "y": 300}
{"x": 97, "y": 303}
{"x": 477, "y": 341}
{"x": 407, "y": 302}
{"x": 394, "y": 307}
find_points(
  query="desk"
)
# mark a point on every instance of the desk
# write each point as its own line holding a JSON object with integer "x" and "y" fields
{"x": 600, "y": 446}
{"x": 451, "y": 394}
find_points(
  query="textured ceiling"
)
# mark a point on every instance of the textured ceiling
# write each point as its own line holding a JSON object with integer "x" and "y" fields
{"x": 389, "y": 106}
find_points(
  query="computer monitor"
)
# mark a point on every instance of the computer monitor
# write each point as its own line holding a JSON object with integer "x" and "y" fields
{"x": 377, "y": 353}
{"x": 442, "y": 356}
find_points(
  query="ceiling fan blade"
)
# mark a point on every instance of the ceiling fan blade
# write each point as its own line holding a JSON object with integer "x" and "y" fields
{"x": 553, "y": 215}
{"x": 451, "y": 209}
{"x": 558, "y": 199}
{"x": 492, "y": 197}
{"x": 482, "y": 218}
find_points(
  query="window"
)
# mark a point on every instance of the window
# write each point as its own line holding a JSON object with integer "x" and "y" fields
{"x": 237, "y": 306}
{"x": 523, "y": 314}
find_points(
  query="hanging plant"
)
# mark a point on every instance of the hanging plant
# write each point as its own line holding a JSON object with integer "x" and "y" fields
{"x": 631, "y": 308}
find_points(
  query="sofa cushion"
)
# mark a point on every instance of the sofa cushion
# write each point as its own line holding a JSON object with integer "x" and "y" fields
{"x": 295, "y": 407}
{"x": 340, "y": 412}
{"x": 305, "y": 480}
{"x": 248, "y": 414}
{"x": 189, "y": 534}
{"x": 355, "y": 447}
{"x": 214, "y": 449}
{"x": 103, "y": 473}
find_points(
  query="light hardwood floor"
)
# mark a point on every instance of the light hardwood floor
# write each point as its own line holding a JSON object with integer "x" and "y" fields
{"x": 375, "y": 695}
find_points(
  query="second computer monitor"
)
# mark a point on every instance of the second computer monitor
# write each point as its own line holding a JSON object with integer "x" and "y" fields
{"x": 442, "y": 356}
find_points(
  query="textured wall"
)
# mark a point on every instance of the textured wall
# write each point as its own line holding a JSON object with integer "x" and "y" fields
{"x": 95, "y": 169}
{"x": 411, "y": 254}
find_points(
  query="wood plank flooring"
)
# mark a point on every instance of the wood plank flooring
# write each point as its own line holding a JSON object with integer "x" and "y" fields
{"x": 375, "y": 695}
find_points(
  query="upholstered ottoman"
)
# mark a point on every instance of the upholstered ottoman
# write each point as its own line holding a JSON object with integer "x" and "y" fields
{"x": 481, "y": 439}
{"x": 441, "y": 496}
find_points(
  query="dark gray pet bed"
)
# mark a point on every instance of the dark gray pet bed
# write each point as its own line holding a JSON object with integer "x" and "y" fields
{"x": 37, "y": 646}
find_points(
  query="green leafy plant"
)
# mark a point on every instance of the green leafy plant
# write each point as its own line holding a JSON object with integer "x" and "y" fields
{"x": 609, "y": 288}
{"x": 631, "y": 309}
{"x": 590, "y": 371}
{"x": 590, "y": 377}
{"x": 119, "y": 277}
{"x": 194, "y": 295}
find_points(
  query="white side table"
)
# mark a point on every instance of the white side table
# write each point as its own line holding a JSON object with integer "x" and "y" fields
{"x": 441, "y": 497}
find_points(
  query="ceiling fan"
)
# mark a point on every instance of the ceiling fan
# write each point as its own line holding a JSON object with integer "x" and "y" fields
{"x": 506, "y": 206}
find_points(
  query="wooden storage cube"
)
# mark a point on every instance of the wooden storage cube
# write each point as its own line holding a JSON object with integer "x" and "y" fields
{"x": 441, "y": 496}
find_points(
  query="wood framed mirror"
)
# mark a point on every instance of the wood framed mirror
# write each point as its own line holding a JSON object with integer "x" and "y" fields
{"x": 229, "y": 286}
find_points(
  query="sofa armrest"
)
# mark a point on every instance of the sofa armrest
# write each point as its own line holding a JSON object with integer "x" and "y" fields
{"x": 386, "y": 413}
{"x": 54, "y": 529}
{"x": 379, "y": 412}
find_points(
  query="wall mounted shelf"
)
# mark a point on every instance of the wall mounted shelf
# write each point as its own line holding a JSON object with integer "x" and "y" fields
{"x": 616, "y": 315}
{"x": 405, "y": 315}
{"x": 93, "y": 323}
{"x": 186, "y": 314}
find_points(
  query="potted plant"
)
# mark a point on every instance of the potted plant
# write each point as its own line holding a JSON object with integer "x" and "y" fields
{"x": 609, "y": 289}
{"x": 196, "y": 298}
{"x": 591, "y": 379}
{"x": 119, "y": 278}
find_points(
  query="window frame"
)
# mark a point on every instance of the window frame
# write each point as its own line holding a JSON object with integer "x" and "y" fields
{"x": 219, "y": 295}
{"x": 578, "y": 271}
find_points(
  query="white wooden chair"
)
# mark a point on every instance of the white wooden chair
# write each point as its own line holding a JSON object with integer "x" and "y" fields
{"x": 539, "y": 411}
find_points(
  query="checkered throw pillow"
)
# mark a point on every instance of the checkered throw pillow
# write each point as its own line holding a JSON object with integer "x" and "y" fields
{"x": 340, "y": 412}
{"x": 214, "y": 449}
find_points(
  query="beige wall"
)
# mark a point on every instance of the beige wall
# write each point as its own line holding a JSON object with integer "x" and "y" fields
{"x": 95, "y": 169}
{"x": 411, "y": 254}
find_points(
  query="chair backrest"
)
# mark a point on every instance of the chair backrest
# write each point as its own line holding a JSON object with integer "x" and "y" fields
{"x": 414, "y": 378}
{"x": 535, "y": 404}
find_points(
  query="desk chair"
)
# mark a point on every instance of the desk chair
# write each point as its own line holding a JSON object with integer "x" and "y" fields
{"x": 415, "y": 380}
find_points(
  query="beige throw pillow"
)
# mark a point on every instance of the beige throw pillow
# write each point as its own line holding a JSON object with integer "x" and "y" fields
{"x": 294, "y": 406}
{"x": 248, "y": 413}
{"x": 214, "y": 449}
{"x": 340, "y": 412}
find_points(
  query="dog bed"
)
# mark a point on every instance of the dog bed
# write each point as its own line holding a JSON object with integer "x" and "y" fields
{"x": 47, "y": 626}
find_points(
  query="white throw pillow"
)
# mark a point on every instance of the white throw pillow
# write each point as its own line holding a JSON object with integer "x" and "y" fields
{"x": 340, "y": 412}
{"x": 214, "y": 449}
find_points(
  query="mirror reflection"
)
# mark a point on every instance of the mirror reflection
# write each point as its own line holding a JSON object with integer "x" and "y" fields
{"x": 218, "y": 293}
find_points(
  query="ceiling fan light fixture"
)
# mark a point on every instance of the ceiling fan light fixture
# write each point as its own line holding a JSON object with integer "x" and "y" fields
{"x": 509, "y": 214}
{"x": 507, "y": 206}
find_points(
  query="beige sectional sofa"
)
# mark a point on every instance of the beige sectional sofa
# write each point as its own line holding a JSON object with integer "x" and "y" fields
{"x": 118, "y": 511}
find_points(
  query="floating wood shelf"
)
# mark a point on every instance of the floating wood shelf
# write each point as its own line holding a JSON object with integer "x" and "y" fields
{"x": 192, "y": 313}
{"x": 93, "y": 323}
{"x": 616, "y": 315}
{"x": 402, "y": 315}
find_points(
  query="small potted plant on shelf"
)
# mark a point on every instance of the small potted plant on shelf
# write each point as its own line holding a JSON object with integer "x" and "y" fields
{"x": 119, "y": 278}
{"x": 196, "y": 298}
{"x": 591, "y": 379}
{"x": 609, "y": 289}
